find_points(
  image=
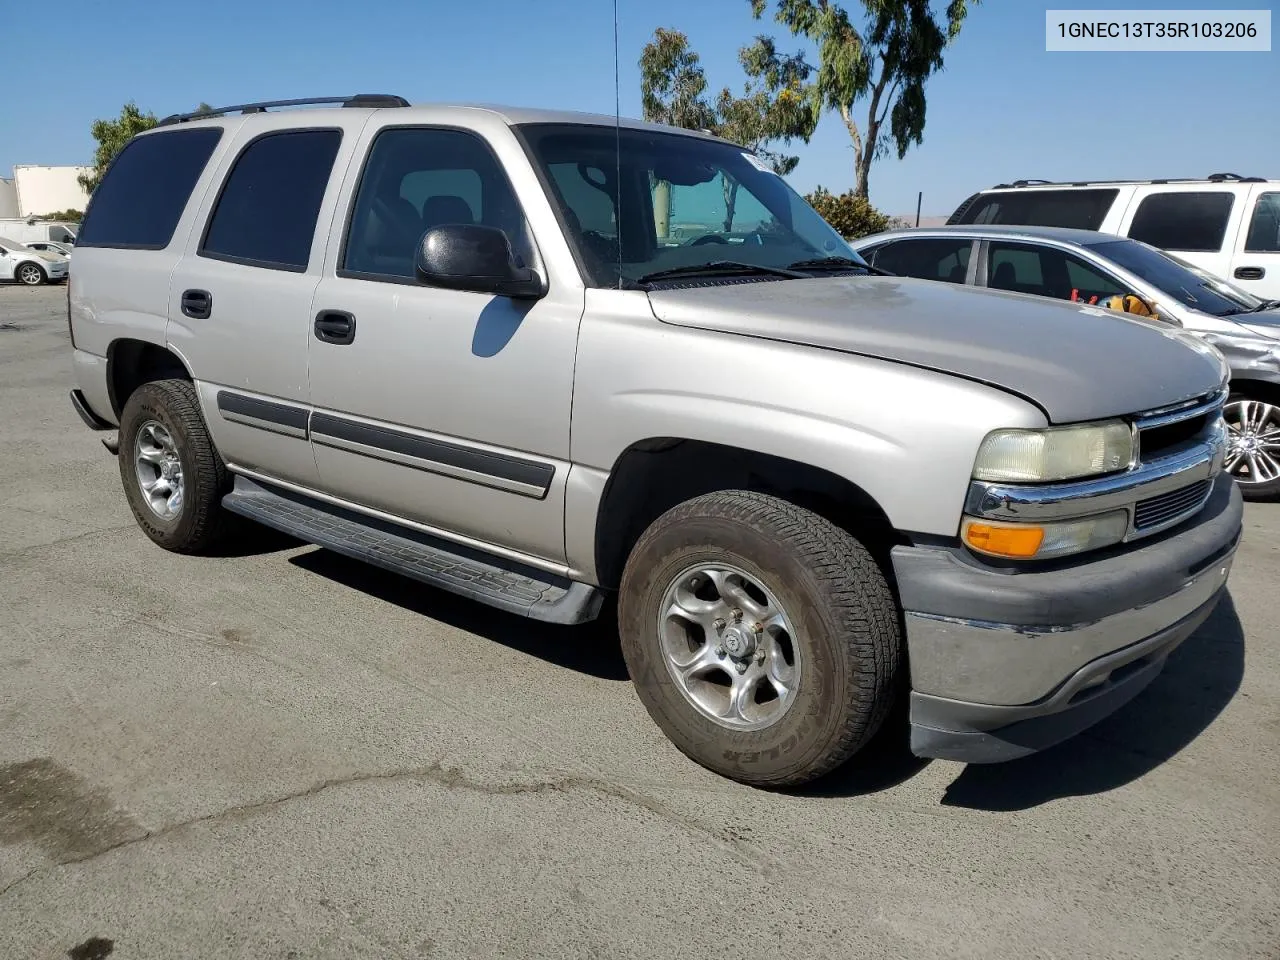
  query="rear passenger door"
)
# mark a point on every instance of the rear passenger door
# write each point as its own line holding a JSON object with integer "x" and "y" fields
{"x": 1255, "y": 264}
{"x": 240, "y": 300}
{"x": 948, "y": 259}
{"x": 1198, "y": 223}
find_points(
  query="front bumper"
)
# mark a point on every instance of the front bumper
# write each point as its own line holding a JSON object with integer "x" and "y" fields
{"x": 1006, "y": 663}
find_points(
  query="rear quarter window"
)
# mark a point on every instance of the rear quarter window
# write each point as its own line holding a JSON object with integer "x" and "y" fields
{"x": 140, "y": 200}
{"x": 1078, "y": 209}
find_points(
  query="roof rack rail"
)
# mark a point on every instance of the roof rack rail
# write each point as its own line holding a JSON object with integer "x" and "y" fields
{"x": 358, "y": 100}
{"x": 1212, "y": 178}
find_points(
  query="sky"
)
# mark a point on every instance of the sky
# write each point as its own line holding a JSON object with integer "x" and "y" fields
{"x": 1002, "y": 108}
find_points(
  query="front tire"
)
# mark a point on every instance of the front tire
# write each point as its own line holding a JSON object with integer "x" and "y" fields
{"x": 762, "y": 638}
{"x": 173, "y": 477}
{"x": 31, "y": 275}
{"x": 1253, "y": 445}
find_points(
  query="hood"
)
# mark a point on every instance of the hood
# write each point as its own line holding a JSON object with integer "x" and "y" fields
{"x": 1075, "y": 362}
{"x": 50, "y": 257}
{"x": 1266, "y": 323}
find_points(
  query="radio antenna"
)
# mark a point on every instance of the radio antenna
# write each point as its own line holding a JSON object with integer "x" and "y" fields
{"x": 617, "y": 142}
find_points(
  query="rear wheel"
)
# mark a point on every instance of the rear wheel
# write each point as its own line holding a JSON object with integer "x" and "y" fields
{"x": 762, "y": 639}
{"x": 31, "y": 275}
{"x": 173, "y": 477}
{"x": 1253, "y": 445}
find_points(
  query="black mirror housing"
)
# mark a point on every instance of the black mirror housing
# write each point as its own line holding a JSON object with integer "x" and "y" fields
{"x": 467, "y": 256}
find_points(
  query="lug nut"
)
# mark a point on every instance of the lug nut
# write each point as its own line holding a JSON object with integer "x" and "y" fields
{"x": 718, "y": 623}
{"x": 720, "y": 652}
{"x": 737, "y": 614}
{"x": 742, "y": 668}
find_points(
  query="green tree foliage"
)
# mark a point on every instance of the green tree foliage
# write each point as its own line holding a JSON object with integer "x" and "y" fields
{"x": 851, "y": 216}
{"x": 774, "y": 107}
{"x": 112, "y": 135}
{"x": 64, "y": 216}
{"x": 885, "y": 65}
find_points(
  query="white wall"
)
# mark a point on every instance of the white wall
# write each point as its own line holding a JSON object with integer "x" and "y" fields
{"x": 44, "y": 190}
{"x": 8, "y": 198}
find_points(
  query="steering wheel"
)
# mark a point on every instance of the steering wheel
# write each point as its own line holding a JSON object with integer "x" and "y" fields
{"x": 707, "y": 238}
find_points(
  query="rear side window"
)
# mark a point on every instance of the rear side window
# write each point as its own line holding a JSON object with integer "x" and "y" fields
{"x": 927, "y": 259}
{"x": 266, "y": 215}
{"x": 1190, "y": 221}
{"x": 1079, "y": 209}
{"x": 139, "y": 202}
{"x": 1264, "y": 226}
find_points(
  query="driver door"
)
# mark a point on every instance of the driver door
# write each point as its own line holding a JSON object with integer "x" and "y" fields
{"x": 448, "y": 408}
{"x": 7, "y": 264}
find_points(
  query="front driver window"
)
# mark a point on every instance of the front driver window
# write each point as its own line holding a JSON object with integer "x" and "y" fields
{"x": 416, "y": 179}
{"x": 1049, "y": 272}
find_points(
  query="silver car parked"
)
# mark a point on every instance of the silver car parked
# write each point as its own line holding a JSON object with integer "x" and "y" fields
{"x": 462, "y": 344}
{"x": 1097, "y": 268}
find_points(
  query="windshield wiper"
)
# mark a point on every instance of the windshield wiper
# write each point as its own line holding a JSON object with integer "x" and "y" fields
{"x": 1264, "y": 305}
{"x": 836, "y": 263}
{"x": 722, "y": 268}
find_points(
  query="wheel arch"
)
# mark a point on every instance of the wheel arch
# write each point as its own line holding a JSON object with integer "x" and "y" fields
{"x": 654, "y": 474}
{"x": 132, "y": 362}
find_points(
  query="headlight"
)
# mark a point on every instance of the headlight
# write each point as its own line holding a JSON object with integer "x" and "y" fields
{"x": 1041, "y": 541}
{"x": 1055, "y": 453}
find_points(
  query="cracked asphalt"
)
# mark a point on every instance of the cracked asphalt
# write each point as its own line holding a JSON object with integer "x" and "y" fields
{"x": 284, "y": 754}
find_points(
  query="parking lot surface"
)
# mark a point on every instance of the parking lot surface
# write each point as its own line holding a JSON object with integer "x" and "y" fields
{"x": 286, "y": 754}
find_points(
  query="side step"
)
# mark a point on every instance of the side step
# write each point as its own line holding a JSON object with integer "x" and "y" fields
{"x": 495, "y": 581}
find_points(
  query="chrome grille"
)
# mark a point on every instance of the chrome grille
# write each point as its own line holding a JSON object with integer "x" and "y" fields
{"x": 1170, "y": 507}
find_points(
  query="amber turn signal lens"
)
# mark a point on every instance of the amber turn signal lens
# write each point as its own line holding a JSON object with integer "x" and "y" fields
{"x": 1019, "y": 541}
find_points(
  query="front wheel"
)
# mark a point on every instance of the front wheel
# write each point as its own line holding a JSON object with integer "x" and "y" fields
{"x": 1253, "y": 446}
{"x": 762, "y": 638}
{"x": 31, "y": 275}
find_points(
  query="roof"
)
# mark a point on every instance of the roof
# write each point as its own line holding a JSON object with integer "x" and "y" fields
{"x": 427, "y": 112}
{"x": 1004, "y": 231}
{"x": 1215, "y": 178}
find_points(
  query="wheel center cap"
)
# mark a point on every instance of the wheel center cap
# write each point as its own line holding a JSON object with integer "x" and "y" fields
{"x": 738, "y": 642}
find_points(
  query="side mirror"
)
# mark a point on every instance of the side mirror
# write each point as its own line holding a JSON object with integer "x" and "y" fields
{"x": 465, "y": 256}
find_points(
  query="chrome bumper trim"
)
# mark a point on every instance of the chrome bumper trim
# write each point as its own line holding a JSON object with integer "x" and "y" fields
{"x": 1010, "y": 664}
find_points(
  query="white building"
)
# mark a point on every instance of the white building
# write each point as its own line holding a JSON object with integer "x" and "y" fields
{"x": 36, "y": 190}
{"x": 8, "y": 198}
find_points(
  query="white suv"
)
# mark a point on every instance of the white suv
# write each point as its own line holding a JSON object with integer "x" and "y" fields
{"x": 1226, "y": 224}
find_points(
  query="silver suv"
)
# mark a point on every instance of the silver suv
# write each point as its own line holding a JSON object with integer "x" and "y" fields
{"x": 540, "y": 358}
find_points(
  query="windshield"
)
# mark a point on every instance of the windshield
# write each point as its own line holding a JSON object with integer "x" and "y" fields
{"x": 13, "y": 246}
{"x": 685, "y": 202}
{"x": 1188, "y": 287}
{"x": 1247, "y": 300}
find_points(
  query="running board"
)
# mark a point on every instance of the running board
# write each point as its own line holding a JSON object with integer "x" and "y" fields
{"x": 492, "y": 580}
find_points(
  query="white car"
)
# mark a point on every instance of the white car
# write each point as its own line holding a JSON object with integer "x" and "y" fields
{"x": 56, "y": 247}
{"x": 20, "y": 263}
{"x": 1226, "y": 224}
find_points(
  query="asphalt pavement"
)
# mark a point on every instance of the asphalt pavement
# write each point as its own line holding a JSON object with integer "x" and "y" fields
{"x": 285, "y": 754}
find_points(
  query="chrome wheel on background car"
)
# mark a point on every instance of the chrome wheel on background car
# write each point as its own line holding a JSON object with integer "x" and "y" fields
{"x": 1253, "y": 446}
{"x": 30, "y": 274}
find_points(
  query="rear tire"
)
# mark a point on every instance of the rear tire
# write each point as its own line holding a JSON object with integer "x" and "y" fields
{"x": 839, "y": 681}
{"x": 31, "y": 275}
{"x": 173, "y": 477}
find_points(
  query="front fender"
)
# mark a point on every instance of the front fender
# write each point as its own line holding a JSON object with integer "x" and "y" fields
{"x": 904, "y": 435}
